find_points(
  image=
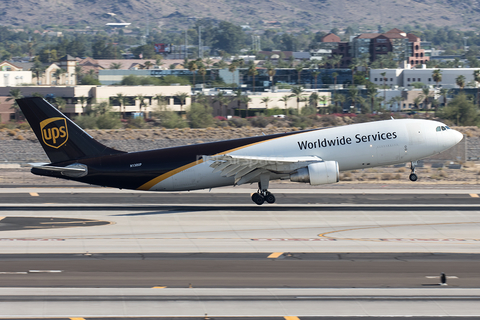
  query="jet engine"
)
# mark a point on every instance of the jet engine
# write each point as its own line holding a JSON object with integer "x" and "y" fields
{"x": 317, "y": 173}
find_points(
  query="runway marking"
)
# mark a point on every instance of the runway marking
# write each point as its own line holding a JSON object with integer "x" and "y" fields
{"x": 473, "y": 195}
{"x": 437, "y": 277}
{"x": 159, "y": 287}
{"x": 275, "y": 255}
{"x": 8, "y": 272}
{"x": 45, "y": 271}
{"x": 77, "y": 318}
{"x": 325, "y": 234}
{"x": 291, "y": 318}
{"x": 1, "y": 218}
{"x": 34, "y": 194}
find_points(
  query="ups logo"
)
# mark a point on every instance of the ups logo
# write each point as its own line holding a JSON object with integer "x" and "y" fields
{"x": 54, "y": 132}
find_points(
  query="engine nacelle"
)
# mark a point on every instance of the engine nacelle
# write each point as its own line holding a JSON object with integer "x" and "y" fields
{"x": 317, "y": 173}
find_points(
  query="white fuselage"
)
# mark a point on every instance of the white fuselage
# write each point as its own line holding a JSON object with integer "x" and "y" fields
{"x": 355, "y": 146}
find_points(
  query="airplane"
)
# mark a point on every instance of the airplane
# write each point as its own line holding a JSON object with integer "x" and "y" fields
{"x": 314, "y": 156}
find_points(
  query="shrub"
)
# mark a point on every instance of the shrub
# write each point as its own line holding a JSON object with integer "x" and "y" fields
{"x": 200, "y": 116}
{"x": 172, "y": 120}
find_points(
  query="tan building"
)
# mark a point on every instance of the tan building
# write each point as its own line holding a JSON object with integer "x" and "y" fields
{"x": 97, "y": 94}
{"x": 67, "y": 77}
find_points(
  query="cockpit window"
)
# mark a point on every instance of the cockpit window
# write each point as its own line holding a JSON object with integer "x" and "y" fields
{"x": 447, "y": 127}
{"x": 443, "y": 128}
{"x": 439, "y": 129}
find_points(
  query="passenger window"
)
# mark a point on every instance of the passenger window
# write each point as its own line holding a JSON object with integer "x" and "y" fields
{"x": 439, "y": 129}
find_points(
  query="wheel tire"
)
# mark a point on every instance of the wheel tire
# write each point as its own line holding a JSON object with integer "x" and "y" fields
{"x": 413, "y": 177}
{"x": 258, "y": 199}
{"x": 270, "y": 198}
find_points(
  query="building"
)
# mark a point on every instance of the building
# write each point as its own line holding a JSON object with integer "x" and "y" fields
{"x": 73, "y": 95}
{"x": 406, "y": 77}
{"x": 12, "y": 75}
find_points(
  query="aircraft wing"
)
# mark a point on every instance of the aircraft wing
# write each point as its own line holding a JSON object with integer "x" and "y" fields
{"x": 247, "y": 168}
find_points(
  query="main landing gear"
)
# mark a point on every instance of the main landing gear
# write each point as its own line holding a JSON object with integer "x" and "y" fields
{"x": 262, "y": 193}
{"x": 413, "y": 175}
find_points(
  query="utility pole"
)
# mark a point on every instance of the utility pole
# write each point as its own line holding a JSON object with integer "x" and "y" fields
{"x": 185, "y": 56}
{"x": 200, "y": 51}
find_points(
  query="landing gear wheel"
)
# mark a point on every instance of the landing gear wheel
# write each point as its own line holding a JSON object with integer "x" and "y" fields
{"x": 258, "y": 199}
{"x": 413, "y": 177}
{"x": 270, "y": 198}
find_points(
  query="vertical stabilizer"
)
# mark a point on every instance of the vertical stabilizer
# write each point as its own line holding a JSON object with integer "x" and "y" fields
{"x": 59, "y": 136}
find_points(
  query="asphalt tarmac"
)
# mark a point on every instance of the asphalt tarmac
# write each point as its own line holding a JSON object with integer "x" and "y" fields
{"x": 217, "y": 253}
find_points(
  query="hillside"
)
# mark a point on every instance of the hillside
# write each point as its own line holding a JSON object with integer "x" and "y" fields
{"x": 315, "y": 14}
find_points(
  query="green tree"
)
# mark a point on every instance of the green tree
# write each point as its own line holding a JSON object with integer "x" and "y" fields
{"x": 182, "y": 97}
{"x": 297, "y": 92}
{"x": 122, "y": 101}
{"x": 222, "y": 101}
{"x": 200, "y": 116}
{"x": 252, "y": 71}
{"x": 425, "y": 95}
{"x": 232, "y": 68}
{"x": 192, "y": 67}
{"x": 161, "y": 101}
{"x": 315, "y": 75}
{"x": 141, "y": 98}
{"x": 460, "y": 110}
{"x": 14, "y": 95}
{"x": 58, "y": 74}
{"x": 476, "y": 78}
{"x": 115, "y": 66}
{"x": 437, "y": 76}
{"x": 266, "y": 100}
{"x": 299, "y": 69}
{"x": 460, "y": 81}
{"x": 229, "y": 37}
{"x": 285, "y": 99}
{"x": 203, "y": 72}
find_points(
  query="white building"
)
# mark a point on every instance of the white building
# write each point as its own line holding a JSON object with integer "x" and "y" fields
{"x": 405, "y": 77}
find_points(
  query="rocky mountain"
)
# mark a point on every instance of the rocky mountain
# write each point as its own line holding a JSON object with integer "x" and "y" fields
{"x": 313, "y": 14}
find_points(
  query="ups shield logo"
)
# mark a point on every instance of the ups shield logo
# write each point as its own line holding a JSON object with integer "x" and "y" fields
{"x": 54, "y": 132}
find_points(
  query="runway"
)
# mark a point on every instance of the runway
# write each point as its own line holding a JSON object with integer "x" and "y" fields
{"x": 183, "y": 253}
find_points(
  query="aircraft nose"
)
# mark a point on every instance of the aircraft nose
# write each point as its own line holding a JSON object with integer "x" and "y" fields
{"x": 457, "y": 136}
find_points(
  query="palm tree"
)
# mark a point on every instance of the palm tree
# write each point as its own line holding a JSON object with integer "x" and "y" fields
{"x": 372, "y": 94}
{"x": 444, "y": 93}
{"x": 297, "y": 92}
{"x": 122, "y": 101}
{"x": 83, "y": 99}
{"x": 315, "y": 75}
{"x": 338, "y": 99}
{"x": 437, "y": 76}
{"x": 78, "y": 73}
{"x": 271, "y": 72}
{"x": 285, "y": 99}
{"x": 232, "y": 68}
{"x": 192, "y": 67}
{"x": 252, "y": 71}
{"x": 476, "y": 77}
{"x": 425, "y": 95}
{"x": 313, "y": 99}
{"x": 299, "y": 69}
{"x": 58, "y": 74}
{"x": 353, "y": 66}
{"x": 14, "y": 95}
{"x": 417, "y": 101}
{"x": 335, "y": 60}
{"x": 324, "y": 101}
{"x": 222, "y": 100}
{"x": 37, "y": 69}
{"x": 335, "y": 75}
{"x": 460, "y": 81}
{"x": 161, "y": 100}
{"x": 246, "y": 100}
{"x": 141, "y": 98}
{"x": 182, "y": 97}
{"x": 353, "y": 95}
{"x": 203, "y": 72}
{"x": 60, "y": 103}
{"x": 148, "y": 64}
{"x": 115, "y": 66}
{"x": 383, "y": 74}
{"x": 266, "y": 100}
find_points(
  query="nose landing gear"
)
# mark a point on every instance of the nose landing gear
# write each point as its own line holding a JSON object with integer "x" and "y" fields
{"x": 413, "y": 175}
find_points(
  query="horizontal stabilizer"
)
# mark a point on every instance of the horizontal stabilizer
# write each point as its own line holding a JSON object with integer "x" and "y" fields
{"x": 76, "y": 170}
